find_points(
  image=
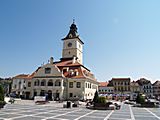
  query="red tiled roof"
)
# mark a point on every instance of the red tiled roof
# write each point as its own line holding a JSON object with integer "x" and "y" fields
{"x": 75, "y": 70}
{"x": 83, "y": 72}
{"x": 67, "y": 63}
{"x": 103, "y": 84}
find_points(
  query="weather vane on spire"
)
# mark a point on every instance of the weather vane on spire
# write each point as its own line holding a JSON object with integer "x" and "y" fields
{"x": 73, "y": 21}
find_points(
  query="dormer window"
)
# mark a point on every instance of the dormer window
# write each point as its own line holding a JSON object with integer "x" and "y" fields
{"x": 47, "y": 70}
{"x": 65, "y": 69}
{"x": 70, "y": 35}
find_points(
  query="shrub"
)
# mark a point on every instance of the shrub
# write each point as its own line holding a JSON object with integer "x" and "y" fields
{"x": 2, "y": 102}
{"x": 96, "y": 97}
{"x": 102, "y": 100}
{"x": 1, "y": 93}
{"x": 140, "y": 99}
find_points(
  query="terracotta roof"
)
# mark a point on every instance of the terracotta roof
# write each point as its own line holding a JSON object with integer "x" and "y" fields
{"x": 67, "y": 63}
{"x": 75, "y": 70}
{"x": 103, "y": 84}
{"x": 78, "y": 72}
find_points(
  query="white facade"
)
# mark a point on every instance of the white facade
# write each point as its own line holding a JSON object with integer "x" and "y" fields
{"x": 55, "y": 86}
{"x": 73, "y": 47}
{"x": 145, "y": 87}
{"x": 64, "y": 79}
{"x": 106, "y": 89}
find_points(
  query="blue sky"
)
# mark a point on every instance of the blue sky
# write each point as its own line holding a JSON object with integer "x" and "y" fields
{"x": 122, "y": 37}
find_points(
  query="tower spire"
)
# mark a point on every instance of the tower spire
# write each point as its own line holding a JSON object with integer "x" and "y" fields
{"x": 73, "y": 45}
{"x": 73, "y": 21}
{"x": 72, "y": 32}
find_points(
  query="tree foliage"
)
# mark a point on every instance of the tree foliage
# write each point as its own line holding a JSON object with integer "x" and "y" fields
{"x": 96, "y": 97}
{"x": 140, "y": 99}
{"x": 1, "y": 93}
{"x": 102, "y": 100}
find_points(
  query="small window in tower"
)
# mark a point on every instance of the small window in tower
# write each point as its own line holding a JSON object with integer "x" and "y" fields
{"x": 70, "y": 35}
{"x": 79, "y": 46}
{"x": 69, "y": 52}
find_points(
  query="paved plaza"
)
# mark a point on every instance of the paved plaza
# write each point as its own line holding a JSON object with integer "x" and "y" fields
{"x": 55, "y": 111}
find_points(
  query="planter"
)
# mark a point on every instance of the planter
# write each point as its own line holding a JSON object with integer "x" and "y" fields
{"x": 99, "y": 105}
{"x": 2, "y": 104}
{"x": 149, "y": 105}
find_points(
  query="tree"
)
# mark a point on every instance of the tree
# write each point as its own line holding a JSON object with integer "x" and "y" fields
{"x": 96, "y": 97}
{"x": 140, "y": 99}
{"x": 1, "y": 93}
{"x": 102, "y": 100}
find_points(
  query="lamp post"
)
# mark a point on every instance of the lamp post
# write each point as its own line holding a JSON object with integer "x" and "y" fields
{"x": 66, "y": 89}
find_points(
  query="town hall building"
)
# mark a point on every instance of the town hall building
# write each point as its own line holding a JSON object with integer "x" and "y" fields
{"x": 67, "y": 79}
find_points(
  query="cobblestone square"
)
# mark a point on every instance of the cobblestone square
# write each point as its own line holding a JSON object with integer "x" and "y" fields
{"x": 55, "y": 111}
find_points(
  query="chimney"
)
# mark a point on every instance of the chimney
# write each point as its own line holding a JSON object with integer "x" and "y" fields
{"x": 74, "y": 60}
{"x": 51, "y": 60}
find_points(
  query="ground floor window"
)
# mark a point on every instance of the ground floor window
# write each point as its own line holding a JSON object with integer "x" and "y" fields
{"x": 35, "y": 93}
{"x": 70, "y": 94}
{"x": 42, "y": 93}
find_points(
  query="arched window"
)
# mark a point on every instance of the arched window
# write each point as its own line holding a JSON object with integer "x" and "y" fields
{"x": 43, "y": 83}
{"x": 36, "y": 83}
{"x": 42, "y": 93}
{"x": 57, "y": 83}
{"x": 29, "y": 84}
{"x": 50, "y": 83}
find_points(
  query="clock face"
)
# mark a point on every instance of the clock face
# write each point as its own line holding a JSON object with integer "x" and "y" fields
{"x": 69, "y": 44}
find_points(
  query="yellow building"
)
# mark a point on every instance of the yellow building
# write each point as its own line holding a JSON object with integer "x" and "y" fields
{"x": 121, "y": 85}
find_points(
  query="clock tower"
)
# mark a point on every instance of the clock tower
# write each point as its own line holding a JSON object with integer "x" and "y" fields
{"x": 73, "y": 45}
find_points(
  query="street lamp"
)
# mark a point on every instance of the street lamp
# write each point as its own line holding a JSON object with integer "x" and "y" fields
{"x": 66, "y": 89}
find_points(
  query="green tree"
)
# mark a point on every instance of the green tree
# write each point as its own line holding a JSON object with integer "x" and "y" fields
{"x": 140, "y": 99}
{"x": 1, "y": 93}
{"x": 102, "y": 100}
{"x": 96, "y": 97}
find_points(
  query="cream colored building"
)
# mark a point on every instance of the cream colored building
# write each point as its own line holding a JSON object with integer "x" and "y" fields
{"x": 135, "y": 89}
{"x": 134, "y": 86}
{"x": 64, "y": 79}
{"x": 156, "y": 89}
